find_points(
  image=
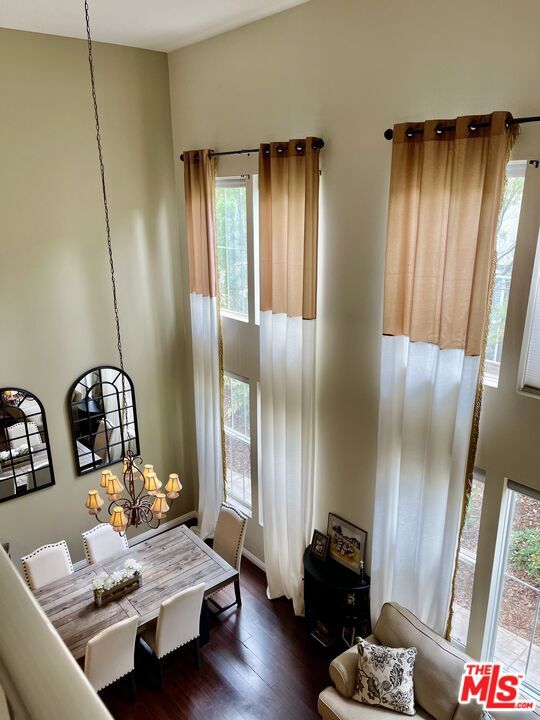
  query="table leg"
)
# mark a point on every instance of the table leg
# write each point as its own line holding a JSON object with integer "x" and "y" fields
{"x": 204, "y": 633}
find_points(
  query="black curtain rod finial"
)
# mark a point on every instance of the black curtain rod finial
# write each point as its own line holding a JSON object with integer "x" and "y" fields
{"x": 473, "y": 126}
{"x": 318, "y": 144}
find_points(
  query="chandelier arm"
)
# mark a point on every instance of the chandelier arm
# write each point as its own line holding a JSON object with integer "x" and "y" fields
{"x": 122, "y": 502}
{"x": 148, "y": 517}
{"x": 142, "y": 490}
{"x": 100, "y": 521}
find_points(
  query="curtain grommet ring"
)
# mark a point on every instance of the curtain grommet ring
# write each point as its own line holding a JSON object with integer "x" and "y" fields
{"x": 439, "y": 129}
{"x": 299, "y": 147}
{"x": 409, "y": 132}
{"x": 280, "y": 149}
{"x": 473, "y": 126}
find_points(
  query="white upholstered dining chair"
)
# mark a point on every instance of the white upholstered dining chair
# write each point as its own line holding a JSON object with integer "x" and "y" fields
{"x": 229, "y": 537}
{"x": 110, "y": 655}
{"x": 177, "y": 624}
{"x": 47, "y": 564}
{"x": 17, "y": 434}
{"x": 101, "y": 542}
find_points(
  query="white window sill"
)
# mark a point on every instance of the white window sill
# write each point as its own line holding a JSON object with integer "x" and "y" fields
{"x": 244, "y": 509}
{"x": 234, "y": 316}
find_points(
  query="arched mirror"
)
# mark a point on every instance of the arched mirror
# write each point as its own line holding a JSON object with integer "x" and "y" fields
{"x": 25, "y": 455}
{"x": 103, "y": 418}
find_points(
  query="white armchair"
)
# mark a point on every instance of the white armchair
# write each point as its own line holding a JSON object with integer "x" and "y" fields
{"x": 110, "y": 655}
{"x": 177, "y": 624}
{"x": 229, "y": 537}
{"x": 101, "y": 542}
{"x": 47, "y": 564}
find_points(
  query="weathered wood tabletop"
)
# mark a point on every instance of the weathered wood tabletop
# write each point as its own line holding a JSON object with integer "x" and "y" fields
{"x": 174, "y": 560}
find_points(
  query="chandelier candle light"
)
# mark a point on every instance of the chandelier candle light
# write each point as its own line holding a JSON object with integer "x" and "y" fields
{"x": 143, "y": 502}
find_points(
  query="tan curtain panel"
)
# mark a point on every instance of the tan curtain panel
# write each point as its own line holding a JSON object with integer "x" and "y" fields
{"x": 199, "y": 184}
{"x": 289, "y": 209}
{"x": 445, "y": 195}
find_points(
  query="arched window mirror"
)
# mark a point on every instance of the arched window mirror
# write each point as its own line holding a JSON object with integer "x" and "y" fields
{"x": 25, "y": 455}
{"x": 103, "y": 418}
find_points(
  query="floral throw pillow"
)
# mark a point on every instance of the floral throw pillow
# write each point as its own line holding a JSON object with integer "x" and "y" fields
{"x": 385, "y": 677}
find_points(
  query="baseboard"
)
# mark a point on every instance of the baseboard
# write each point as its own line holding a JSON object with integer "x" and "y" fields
{"x": 255, "y": 560}
{"x": 168, "y": 526}
{"x": 147, "y": 534}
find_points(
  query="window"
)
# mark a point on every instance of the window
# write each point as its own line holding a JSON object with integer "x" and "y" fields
{"x": 506, "y": 245}
{"x": 515, "y": 639}
{"x": 237, "y": 440}
{"x": 466, "y": 565}
{"x": 237, "y": 213}
{"x": 232, "y": 245}
{"x": 531, "y": 377}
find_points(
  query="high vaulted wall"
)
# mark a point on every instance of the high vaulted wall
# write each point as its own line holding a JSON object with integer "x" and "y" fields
{"x": 345, "y": 70}
{"x": 55, "y": 290}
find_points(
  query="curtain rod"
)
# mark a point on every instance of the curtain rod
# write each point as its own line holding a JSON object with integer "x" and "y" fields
{"x": 411, "y": 131}
{"x": 317, "y": 145}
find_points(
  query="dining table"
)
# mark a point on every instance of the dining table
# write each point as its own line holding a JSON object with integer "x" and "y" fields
{"x": 171, "y": 561}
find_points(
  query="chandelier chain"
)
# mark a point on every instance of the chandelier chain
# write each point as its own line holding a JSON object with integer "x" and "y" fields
{"x": 104, "y": 192}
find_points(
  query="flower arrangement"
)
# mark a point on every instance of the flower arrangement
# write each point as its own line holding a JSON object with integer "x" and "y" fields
{"x": 120, "y": 582}
{"x": 14, "y": 452}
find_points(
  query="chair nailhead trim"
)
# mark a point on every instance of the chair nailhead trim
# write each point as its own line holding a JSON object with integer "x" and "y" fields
{"x": 242, "y": 531}
{"x": 62, "y": 543}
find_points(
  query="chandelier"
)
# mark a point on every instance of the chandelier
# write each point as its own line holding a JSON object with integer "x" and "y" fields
{"x": 144, "y": 502}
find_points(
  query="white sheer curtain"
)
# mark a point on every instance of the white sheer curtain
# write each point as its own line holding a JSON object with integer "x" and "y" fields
{"x": 287, "y": 378}
{"x": 445, "y": 194}
{"x": 206, "y": 375}
{"x": 288, "y": 218}
{"x": 425, "y": 416}
{"x": 199, "y": 186}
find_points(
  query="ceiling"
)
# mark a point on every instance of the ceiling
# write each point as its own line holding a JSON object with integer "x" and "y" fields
{"x": 153, "y": 24}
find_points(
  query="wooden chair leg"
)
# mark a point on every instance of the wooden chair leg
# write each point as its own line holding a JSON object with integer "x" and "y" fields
{"x": 132, "y": 686}
{"x": 159, "y": 672}
{"x": 237, "y": 592}
{"x": 197, "y": 652}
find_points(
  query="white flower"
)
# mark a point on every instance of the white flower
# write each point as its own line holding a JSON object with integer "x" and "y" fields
{"x": 107, "y": 582}
{"x": 99, "y": 582}
{"x": 132, "y": 566}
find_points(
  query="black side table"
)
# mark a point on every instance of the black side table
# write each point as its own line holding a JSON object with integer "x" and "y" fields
{"x": 336, "y": 601}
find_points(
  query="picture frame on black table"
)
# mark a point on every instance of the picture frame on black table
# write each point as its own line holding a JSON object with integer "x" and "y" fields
{"x": 347, "y": 543}
{"x": 319, "y": 545}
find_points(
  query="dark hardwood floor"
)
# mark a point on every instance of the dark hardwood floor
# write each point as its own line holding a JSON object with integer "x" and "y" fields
{"x": 258, "y": 665}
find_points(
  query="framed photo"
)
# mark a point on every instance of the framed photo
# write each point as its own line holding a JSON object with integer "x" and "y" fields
{"x": 347, "y": 542}
{"x": 319, "y": 545}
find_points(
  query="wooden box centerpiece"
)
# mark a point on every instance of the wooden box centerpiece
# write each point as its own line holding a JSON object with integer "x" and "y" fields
{"x": 119, "y": 583}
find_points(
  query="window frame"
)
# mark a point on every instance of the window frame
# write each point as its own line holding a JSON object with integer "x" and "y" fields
{"x": 512, "y": 490}
{"x": 253, "y": 428}
{"x": 492, "y": 368}
{"x": 465, "y": 555}
{"x": 245, "y": 181}
{"x": 529, "y": 390}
